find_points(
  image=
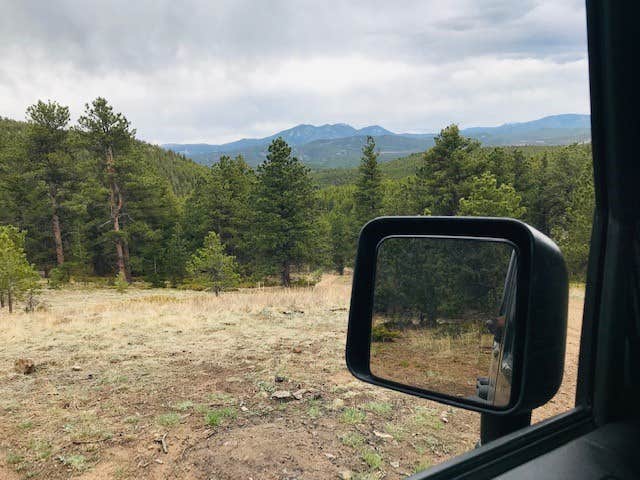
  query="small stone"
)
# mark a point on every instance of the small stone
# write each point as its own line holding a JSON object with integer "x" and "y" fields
{"x": 76, "y": 368}
{"x": 330, "y": 456}
{"x": 297, "y": 350}
{"x": 395, "y": 464}
{"x": 244, "y": 409}
{"x": 382, "y": 435}
{"x": 25, "y": 366}
{"x": 345, "y": 475}
{"x": 282, "y": 395}
{"x": 279, "y": 379}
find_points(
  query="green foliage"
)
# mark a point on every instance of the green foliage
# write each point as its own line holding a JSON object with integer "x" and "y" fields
{"x": 445, "y": 171}
{"x": 215, "y": 418}
{"x": 222, "y": 202}
{"x": 104, "y": 129}
{"x": 17, "y": 275}
{"x": 421, "y": 280}
{"x": 352, "y": 416}
{"x": 368, "y": 194}
{"x": 372, "y": 459}
{"x": 487, "y": 199}
{"x": 382, "y": 333}
{"x": 286, "y": 217}
{"x": 121, "y": 285}
{"x": 62, "y": 188}
{"x": 574, "y": 235}
{"x": 59, "y": 276}
{"x": 212, "y": 266}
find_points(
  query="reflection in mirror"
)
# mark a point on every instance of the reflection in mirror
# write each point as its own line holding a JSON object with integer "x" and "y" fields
{"x": 443, "y": 315}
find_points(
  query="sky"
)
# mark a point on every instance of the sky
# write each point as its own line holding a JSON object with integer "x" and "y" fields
{"x": 214, "y": 71}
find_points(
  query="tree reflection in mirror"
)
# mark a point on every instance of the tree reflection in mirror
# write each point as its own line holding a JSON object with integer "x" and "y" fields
{"x": 443, "y": 316}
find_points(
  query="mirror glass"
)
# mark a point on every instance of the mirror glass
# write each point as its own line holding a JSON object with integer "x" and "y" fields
{"x": 444, "y": 314}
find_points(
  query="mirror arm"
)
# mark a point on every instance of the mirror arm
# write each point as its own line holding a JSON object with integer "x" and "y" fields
{"x": 493, "y": 426}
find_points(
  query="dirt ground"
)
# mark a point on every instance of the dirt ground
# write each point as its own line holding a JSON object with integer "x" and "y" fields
{"x": 163, "y": 384}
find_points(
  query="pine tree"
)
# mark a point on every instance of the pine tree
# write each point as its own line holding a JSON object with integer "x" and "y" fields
{"x": 46, "y": 149}
{"x": 285, "y": 203}
{"x": 442, "y": 178}
{"x": 487, "y": 199}
{"x": 211, "y": 266}
{"x": 110, "y": 135}
{"x": 17, "y": 275}
{"x": 368, "y": 195}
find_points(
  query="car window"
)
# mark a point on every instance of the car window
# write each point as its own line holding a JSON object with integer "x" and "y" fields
{"x": 181, "y": 191}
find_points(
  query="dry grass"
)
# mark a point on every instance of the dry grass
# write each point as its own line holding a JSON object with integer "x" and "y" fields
{"x": 116, "y": 372}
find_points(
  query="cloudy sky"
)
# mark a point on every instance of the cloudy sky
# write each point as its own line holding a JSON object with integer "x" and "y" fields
{"x": 216, "y": 70}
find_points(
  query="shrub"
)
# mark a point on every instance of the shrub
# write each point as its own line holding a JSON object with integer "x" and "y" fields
{"x": 381, "y": 333}
{"x": 59, "y": 276}
{"x": 121, "y": 283}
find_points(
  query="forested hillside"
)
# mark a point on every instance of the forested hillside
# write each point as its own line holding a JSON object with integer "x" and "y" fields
{"x": 91, "y": 200}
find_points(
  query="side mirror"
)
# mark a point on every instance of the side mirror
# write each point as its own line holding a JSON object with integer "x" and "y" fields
{"x": 471, "y": 312}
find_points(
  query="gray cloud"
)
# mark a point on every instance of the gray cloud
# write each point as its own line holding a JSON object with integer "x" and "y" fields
{"x": 218, "y": 70}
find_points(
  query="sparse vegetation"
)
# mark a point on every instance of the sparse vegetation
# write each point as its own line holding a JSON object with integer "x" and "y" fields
{"x": 352, "y": 439}
{"x": 221, "y": 357}
{"x": 372, "y": 459}
{"x": 75, "y": 461}
{"x": 352, "y": 416}
{"x": 214, "y": 418}
{"x": 380, "y": 408}
{"x": 168, "y": 419}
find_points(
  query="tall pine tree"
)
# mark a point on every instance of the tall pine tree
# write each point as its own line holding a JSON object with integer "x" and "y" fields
{"x": 368, "y": 194}
{"x": 285, "y": 204}
{"x": 447, "y": 168}
{"x": 46, "y": 139}
{"x": 110, "y": 135}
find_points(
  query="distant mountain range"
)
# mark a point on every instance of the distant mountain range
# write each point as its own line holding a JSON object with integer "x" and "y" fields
{"x": 339, "y": 145}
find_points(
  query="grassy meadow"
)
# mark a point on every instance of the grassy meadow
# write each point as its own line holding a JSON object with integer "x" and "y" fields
{"x": 161, "y": 383}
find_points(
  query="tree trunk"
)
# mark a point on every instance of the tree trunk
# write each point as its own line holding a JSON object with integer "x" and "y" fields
{"x": 115, "y": 205}
{"x": 1, "y": 299}
{"x": 341, "y": 270}
{"x": 10, "y": 301}
{"x": 286, "y": 275}
{"x": 127, "y": 263}
{"x": 55, "y": 225}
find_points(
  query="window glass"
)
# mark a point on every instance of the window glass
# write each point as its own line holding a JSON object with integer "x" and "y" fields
{"x": 181, "y": 190}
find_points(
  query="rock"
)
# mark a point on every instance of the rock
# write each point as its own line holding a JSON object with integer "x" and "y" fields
{"x": 345, "y": 475}
{"x": 337, "y": 404}
{"x": 382, "y": 435}
{"x": 444, "y": 417}
{"x": 24, "y": 366}
{"x": 279, "y": 379}
{"x": 395, "y": 464}
{"x": 282, "y": 395}
{"x": 297, "y": 350}
{"x": 76, "y": 368}
{"x": 299, "y": 394}
{"x": 330, "y": 456}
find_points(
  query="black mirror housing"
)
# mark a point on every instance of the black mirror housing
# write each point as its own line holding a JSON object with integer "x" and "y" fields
{"x": 541, "y": 305}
